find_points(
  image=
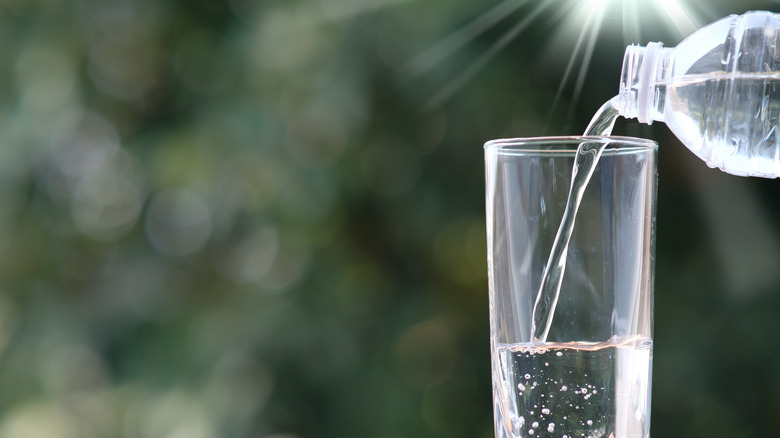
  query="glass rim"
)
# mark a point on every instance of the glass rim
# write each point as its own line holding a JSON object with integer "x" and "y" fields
{"x": 567, "y": 145}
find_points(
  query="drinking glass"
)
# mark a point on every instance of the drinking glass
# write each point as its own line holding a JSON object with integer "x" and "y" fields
{"x": 591, "y": 376}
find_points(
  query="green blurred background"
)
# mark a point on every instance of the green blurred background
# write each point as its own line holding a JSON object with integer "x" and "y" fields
{"x": 266, "y": 219}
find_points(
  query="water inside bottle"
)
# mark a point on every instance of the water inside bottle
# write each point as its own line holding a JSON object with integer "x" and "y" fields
{"x": 585, "y": 162}
{"x": 729, "y": 120}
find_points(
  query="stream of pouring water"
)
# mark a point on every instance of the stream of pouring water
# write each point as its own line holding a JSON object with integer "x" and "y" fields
{"x": 585, "y": 161}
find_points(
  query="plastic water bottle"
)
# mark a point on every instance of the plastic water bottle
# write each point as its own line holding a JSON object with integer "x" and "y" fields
{"x": 718, "y": 91}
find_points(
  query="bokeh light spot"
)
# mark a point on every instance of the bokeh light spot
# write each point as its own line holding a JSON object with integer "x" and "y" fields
{"x": 238, "y": 386}
{"x": 286, "y": 42}
{"x": 291, "y": 263}
{"x": 89, "y": 171}
{"x": 82, "y": 143}
{"x": 107, "y": 204}
{"x": 38, "y": 420}
{"x": 45, "y": 76}
{"x": 254, "y": 256}
{"x": 178, "y": 223}
{"x": 176, "y": 414}
{"x": 74, "y": 369}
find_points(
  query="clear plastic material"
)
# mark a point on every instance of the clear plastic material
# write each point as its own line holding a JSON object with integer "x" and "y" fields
{"x": 718, "y": 91}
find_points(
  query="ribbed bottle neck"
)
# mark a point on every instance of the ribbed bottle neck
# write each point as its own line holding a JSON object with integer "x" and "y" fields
{"x": 641, "y": 82}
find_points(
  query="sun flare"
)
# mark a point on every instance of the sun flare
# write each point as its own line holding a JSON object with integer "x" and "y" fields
{"x": 577, "y": 26}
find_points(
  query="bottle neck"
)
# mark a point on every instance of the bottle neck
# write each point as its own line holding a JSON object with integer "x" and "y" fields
{"x": 642, "y": 82}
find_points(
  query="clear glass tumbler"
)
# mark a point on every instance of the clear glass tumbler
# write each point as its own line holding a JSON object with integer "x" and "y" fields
{"x": 591, "y": 376}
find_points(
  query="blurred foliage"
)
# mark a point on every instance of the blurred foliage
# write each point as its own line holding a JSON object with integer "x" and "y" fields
{"x": 266, "y": 219}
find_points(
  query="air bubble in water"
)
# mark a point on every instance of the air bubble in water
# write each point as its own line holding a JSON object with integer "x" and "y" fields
{"x": 546, "y": 411}
{"x": 535, "y": 424}
{"x": 590, "y": 422}
{"x": 564, "y": 388}
{"x": 530, "y": 431}
{"x": 559, "y": 354}
{"x": 527, "y": 377}
{"x": 551, "y": 427}
{"x": 521, "y": 387}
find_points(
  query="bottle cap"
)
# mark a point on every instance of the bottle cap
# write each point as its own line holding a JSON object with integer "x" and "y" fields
{"x": 637, "y": 81}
